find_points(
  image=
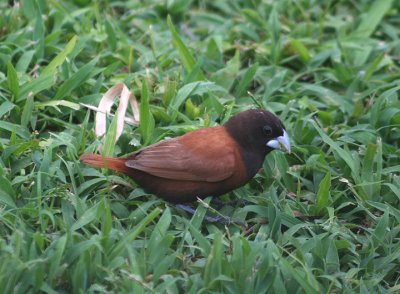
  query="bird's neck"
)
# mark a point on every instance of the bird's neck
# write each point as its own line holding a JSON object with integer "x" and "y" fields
{"x": 253, "y": 162}
{"x": 252, "y": 156}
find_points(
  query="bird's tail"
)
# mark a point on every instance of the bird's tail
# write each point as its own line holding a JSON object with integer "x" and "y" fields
{"x": 113, "y": 163}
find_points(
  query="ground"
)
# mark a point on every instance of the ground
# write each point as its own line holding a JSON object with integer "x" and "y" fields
{"x": 323, "y": 219}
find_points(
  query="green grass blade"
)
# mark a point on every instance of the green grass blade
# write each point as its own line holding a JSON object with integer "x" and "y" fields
{"x": 371, "y": 20}
{"x": 5, "y": 196}
{"x": 6, "y": 107}
{"x": 55, "y": 253}
{"x": 24, "y": 61}
{"x": 88, "y": 216}
{"x": 187, "y": 58}
{"x": 146, "y": 117}
{"x": 19, "y": 130}
{"x": 132, "y": 235}
{"x": 244, "y": 83}
{"x": 367, "y": 170}
{"x": 344, "y": 154}
{"x": 195, "y": 88}
{"x": 302, "y": 50}
{"x": 381, "y": 229}
{"x": 35, "y": 86}
{"x": 303, "y": 282}
{"x": 60, "y": 58}
{"x": 27, "y": 112}
{"x": 110, "y": 138}
{"x": 213, "y": 267}
{"x": 38, "y": 28}
{"x": 323, "y": 194}
{"x": 77, "y": 79}
{"x": 202, "y": 241}
{"x": 56, "y": 103}
{"x": 12, "y": 80}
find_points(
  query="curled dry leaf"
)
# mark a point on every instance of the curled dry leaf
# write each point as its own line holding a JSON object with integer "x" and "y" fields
{"x": 104, "y": 108}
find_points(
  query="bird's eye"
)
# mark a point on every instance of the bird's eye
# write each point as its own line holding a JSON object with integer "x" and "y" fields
{"x": 267, "y": 130}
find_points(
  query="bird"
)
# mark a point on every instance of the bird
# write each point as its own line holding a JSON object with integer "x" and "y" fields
{"x": 206, "y": 162}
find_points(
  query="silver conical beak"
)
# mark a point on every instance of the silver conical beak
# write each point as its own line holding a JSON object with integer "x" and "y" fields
{"x": 282, "y": 142}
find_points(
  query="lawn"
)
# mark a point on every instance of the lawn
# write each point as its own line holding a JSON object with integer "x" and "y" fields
{"x": 323, "y": 219}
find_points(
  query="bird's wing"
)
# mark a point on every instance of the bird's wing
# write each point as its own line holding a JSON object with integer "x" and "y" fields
{"x": 203, "y": 155}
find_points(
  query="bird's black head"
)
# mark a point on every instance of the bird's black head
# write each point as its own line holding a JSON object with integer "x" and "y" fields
{"x": 259, "y": 131}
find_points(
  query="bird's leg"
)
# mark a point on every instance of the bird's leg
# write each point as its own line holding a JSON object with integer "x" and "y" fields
{"x": 222, "y": 219}
{"x": 192, "y": 211}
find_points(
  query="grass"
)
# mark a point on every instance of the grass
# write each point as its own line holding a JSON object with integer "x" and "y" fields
{"x": 324, "y": 219}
